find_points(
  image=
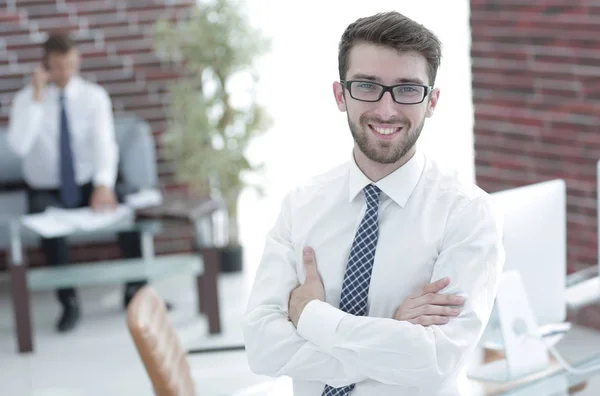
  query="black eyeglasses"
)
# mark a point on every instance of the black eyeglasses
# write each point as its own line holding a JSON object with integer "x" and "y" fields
{"x": 369, "y": 91}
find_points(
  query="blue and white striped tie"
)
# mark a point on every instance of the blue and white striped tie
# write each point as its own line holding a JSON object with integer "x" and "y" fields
{"x": 357, "y": 278}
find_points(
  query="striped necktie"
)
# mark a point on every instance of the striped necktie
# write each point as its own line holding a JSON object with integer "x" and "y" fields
{"x": 357, "y": 277}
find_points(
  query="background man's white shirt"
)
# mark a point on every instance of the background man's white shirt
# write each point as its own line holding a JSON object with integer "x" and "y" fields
{"x": 34, "y": 129}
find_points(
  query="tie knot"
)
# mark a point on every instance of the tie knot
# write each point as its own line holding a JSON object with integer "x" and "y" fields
{"x": 372, "y": 195}
{"x": 61, "y": 97}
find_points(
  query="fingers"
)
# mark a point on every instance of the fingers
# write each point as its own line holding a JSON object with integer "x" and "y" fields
{"x": 429, "y": 320}
{"x": 433, "y": 287}
{"x": 438, "y": 299}
{"x": 95, "y": 205}
{"x": 435, "y": 310}
{"x": 110, "y": 202}
{"x": 40, "y": 75}
{"x": 310, "y": 264}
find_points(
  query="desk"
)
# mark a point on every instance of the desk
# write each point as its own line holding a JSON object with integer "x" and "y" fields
{"x": 203, "y": 263}
{"x": 580, "y": 347}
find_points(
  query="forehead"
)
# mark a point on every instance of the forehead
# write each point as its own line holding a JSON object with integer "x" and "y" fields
{"x": 72, "y": 53}
{"x": 386, "y": 63}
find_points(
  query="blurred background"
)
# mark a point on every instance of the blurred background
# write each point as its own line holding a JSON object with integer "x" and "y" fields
{"x": 519, "y": 104}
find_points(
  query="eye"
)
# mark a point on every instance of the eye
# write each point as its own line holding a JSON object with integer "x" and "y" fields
{"x": 408, "y": 89}
{"x": 365, "y": 86}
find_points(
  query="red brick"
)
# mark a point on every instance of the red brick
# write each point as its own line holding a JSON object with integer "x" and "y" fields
{"x": 536, "y": 92}
{"x": 102, "y": 15}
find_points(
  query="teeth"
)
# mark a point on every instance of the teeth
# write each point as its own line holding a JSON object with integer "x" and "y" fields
{"x": 385, "y": 131}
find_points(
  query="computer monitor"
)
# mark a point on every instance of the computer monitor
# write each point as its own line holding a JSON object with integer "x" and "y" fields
{"x": 535, "y": 241}
{"x": 586, "y": 290}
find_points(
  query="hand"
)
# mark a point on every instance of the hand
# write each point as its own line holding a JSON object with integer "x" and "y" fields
{"x": 103, "y": 198}
{"x": 428, "y": 307}
{"x": 39, "y": 80}
{"x": 312, "y": 289}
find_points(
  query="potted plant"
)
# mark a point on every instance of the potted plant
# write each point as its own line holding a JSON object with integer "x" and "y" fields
{"x": 212, "y": 119}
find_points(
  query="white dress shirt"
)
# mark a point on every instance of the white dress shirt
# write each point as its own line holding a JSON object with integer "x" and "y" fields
{"x": 430, "y": 226}
{"x": 34, "y": 131}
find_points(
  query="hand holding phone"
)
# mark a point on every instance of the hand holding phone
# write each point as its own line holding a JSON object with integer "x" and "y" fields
{"x": 39, "y": 80}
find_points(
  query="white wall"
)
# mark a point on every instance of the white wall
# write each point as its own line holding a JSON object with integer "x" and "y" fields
{"x": 310, "y": 135}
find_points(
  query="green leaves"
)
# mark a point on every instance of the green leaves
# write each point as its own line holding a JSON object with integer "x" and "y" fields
{"x": 216, "y": 35}
{"x": 207, "y": 135}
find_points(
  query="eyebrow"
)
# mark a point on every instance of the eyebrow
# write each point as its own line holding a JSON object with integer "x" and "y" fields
{"x": 368, "y": 77}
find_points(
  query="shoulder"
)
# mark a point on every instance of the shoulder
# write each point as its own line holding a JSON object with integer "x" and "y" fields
{"x": 458, "y": 200}
{"x": 25, "y": 92}
{"x": 322, "y": 185}
{"x": 93, "y": 90}
{"x": 447, "y": 187}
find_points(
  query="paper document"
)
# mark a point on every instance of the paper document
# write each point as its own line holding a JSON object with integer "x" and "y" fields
{"x": 61, "y": 222}
{"x": 46, "y": 226}
{"x": 144, "y": 199}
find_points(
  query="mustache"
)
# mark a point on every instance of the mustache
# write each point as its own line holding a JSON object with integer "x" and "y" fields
{"x": 376, "y": 120}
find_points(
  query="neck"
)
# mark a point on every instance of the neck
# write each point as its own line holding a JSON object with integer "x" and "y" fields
{"x": 376, "y": 171}
{"x": 64, "y": 84}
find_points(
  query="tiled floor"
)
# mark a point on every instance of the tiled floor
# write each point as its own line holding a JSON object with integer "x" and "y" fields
{"x": 99, "y": 357}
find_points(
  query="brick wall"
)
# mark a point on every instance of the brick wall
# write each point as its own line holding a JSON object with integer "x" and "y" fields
{"x": 536, "y": 92}
{"x": 122, "y": 61}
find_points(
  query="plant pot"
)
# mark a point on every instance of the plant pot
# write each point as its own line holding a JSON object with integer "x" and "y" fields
{"x": 231, "y": 258}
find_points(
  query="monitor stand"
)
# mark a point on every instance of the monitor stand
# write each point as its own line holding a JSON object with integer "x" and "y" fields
{"x": 523, "y": 355}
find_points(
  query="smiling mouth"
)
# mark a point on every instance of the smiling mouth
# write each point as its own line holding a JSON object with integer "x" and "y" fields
{"x": 385, "y": 131}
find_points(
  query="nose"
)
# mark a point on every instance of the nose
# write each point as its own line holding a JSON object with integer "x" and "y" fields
{"x": 386, "y": 107}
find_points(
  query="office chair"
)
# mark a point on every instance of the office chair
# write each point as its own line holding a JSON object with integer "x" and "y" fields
{"x": 159, "y": 347}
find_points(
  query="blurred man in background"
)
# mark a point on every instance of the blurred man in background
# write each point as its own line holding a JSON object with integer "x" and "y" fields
{"x": 62, "y": 127}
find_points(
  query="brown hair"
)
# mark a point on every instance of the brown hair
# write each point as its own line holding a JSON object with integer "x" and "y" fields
{"x": 58, "y": 42}
{"x": 393, "y": 30}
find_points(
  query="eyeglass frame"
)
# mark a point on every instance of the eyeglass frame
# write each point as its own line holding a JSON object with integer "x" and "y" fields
{"x": 386, "y": 88}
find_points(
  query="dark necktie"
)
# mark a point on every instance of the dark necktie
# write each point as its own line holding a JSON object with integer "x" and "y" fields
{"x": 357, "y": 277}
{"x": 69, "y": 191}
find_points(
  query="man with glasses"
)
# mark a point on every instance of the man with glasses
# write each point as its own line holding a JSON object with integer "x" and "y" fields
{"x": 379, "y": 276}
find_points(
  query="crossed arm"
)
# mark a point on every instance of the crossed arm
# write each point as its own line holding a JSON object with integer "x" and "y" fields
{"x": 336, "y": 348}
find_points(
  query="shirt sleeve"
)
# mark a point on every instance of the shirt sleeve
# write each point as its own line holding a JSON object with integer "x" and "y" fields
{"x": 400, "y": 353}
{"x": 25, "y": 122}
{"x": 106, "y": 155}
{"x": 273, "y": 345}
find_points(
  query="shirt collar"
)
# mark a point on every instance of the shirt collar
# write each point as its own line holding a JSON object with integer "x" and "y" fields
{"x": 71, "y": 87}
{"x": 398, "y": 185}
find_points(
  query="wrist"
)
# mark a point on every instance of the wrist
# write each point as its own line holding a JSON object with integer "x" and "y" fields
{"x": 319, "y": 324}
{"x": 298, "y": 311}
{"x": 303, "y": 305}
{"x": 102, "y": 187}
{"x": 38, "y": 94}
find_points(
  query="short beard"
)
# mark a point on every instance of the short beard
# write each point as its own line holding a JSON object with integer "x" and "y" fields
{"x": 383, "y": 152}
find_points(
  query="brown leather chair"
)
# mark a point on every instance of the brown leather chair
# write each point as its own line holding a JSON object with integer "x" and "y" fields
{"x": 158, "y": 345}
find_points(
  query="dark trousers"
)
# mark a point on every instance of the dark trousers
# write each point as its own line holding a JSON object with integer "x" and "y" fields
{"x": 56, "y": 250}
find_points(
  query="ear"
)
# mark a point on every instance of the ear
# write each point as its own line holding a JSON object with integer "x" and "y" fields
{"x": 433, "y": 99}
{"x": 77, "y": 57}
{"x": 338, "y": 93}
